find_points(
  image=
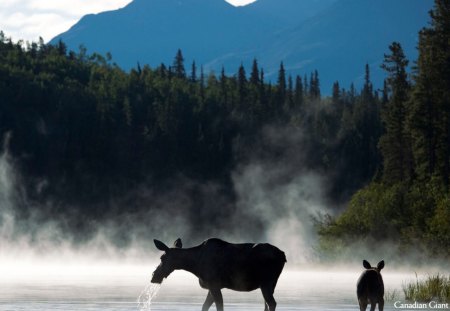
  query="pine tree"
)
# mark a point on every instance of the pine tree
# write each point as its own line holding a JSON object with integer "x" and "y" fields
{"x": 311, "y": 86}
{"x": 202, "y": 84}
{"x": 242, "y": 87}
{"x": 430, "y": 113}
{"x": 395, "y": 143}
{"x": 194, "y": 72}
{"x": 317, "y": 85}
{"x": 306, "y": 86}
{"x": 367, "y": 88}
{"x": 223, "y": 86}
{"x": 385, "y": 94}
{"x": 254, "y": 76}
{"x": 298, "y": 92}
{"x": 162, "y": 71}
{"x": 281, "y": 84}
{"x": 336, "y": 95}
{"x": 290, "y": 94}
{"x": 314, "y": 85}
{"x": 178, "y": 65}
{"x": 254, "y": 100}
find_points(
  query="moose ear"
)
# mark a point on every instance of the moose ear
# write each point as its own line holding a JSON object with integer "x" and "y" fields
{"x": 366, "y": 264}
{"x": 160, "y": 245}
{"x": 380, "y": 265}
{"x": 178, "y": 243}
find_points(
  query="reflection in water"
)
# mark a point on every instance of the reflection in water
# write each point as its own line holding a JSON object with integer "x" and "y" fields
{"x": 115, "y": 288}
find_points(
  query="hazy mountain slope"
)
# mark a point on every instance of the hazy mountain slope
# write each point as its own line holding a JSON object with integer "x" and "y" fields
{"x": 289, "y": 12}
{"x": 151, "y": 31}
{"x": 341, "y": 40}
{"x": 337, "y": 37}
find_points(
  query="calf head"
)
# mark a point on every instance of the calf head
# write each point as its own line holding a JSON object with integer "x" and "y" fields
{"x": 378, "y": 268}
{"x": 169, "y": 260}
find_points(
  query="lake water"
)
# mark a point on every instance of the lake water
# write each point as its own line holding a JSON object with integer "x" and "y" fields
{"x": 111, "y": 288}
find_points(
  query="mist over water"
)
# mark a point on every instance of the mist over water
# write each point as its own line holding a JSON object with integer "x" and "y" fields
{"x": 282, "y": 201}
{"x": 275, "y": 199}
{"x": 271, "y": 205}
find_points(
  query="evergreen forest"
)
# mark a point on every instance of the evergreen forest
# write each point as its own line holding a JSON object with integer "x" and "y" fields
{"x": 86, "y": 138}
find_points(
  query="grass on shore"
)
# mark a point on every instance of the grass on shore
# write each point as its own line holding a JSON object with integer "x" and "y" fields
{"x": 434, "y": 287}
{"x": 391, "y": 295}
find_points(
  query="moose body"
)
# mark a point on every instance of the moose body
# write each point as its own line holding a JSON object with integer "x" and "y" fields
{"x": 219, "y": 264}
{"x": 370, "y": 287}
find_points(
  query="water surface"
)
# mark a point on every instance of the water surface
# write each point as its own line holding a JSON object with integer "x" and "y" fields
{"x": 118, "y": 287}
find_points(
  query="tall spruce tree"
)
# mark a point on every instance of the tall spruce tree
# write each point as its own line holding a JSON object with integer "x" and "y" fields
{"x": 242, "y": 87}
{"x": 254, "y": 76}
{"x": 395, "y": 143}
{"x": 281, "y": 84}
{"x": 430, "y": 112}
{"x": 194, "y": 72}
{"x": 314, "y": 85}
{"x": 298, "y": 99}
{"x": 178, "y": 65}
{"x": 336, "y": 94}
{"x": 290, "y": 94}
{"x": 280, "y": 95}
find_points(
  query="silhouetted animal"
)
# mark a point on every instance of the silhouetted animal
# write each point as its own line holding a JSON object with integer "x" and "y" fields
{"x": 370, "y": 288}
{"x": 219, "y": 264}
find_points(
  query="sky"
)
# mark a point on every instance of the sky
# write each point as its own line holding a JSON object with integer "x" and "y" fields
{"x": 30, "y": 19}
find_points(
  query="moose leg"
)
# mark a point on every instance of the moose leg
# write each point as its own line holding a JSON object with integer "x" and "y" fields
{"x": 381, "y": 305}
{"x": 208, "y": 302}
{"x": 218, "y": 299}
{"x": 267, "y": 292}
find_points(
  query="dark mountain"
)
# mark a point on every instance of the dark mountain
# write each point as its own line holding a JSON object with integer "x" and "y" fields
{"x": 336, "y": 37}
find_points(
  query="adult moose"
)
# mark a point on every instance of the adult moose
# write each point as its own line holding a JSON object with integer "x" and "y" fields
{"x": 370, "y": 287}
{"x": 219, "y": 264}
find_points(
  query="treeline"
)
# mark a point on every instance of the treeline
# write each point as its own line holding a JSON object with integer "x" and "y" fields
{"x": 410, "y": 202}
{"x": 85, "y": 133}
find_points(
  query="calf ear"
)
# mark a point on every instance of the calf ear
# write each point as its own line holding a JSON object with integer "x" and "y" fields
{"x": 178, "y": 243}
{"x": 160, "y": 245}
{"x": 380, "y": 265}
{"x": 366, "y": 264}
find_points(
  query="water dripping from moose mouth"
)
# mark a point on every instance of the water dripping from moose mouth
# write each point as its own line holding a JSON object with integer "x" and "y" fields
{"x": 145, "y": 298}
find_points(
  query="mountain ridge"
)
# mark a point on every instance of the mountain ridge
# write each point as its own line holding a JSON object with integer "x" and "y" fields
{"x": 335, "y": 37}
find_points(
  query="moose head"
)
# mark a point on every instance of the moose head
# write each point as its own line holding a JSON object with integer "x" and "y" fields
{"x": 169, "y": 260}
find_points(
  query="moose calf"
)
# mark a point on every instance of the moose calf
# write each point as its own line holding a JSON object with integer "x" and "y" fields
{"x": 370, "y": 287}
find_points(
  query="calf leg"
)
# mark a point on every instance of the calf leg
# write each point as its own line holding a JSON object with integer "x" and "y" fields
{"x": 218, "y": 299}
{"x": 208, "y": 302}
{"x": 362, "y": 304}
{"x": 267, "y": 292}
